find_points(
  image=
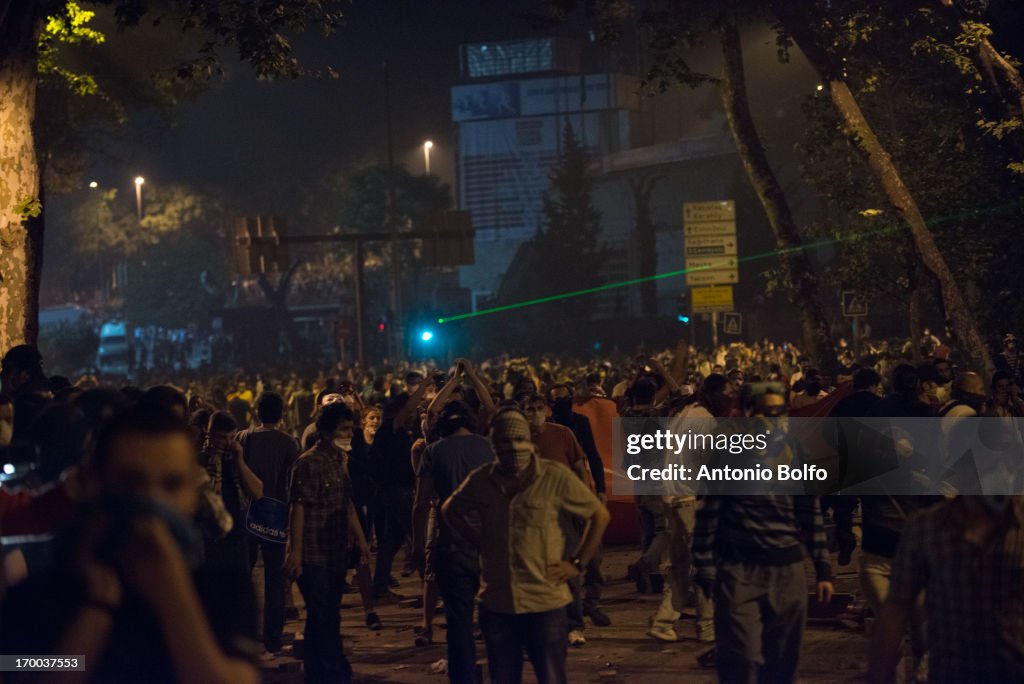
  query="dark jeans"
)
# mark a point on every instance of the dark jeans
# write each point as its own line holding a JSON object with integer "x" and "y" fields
{"x": 397, "y": 507}
{"x": 759, "y": 622}
{"x": 458, "y": 579}
{"x": 325, "y": 661}
{"x": 541, "y": 634}
{"x": 274, "y": 587}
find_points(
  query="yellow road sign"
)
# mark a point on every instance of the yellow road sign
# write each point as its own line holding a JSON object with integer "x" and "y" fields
{"x": 712, "y": 299}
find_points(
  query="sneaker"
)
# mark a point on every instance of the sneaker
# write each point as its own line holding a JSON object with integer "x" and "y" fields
{"x": 373, "y": 622}
{"x": 709, "y": 659}
{"x": 598, "y": 617}
{"x": 576, "y": 638}
{"x": 662, "y": 633}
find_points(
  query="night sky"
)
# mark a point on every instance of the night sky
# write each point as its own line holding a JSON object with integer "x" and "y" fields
{"x": 263, "y": 144}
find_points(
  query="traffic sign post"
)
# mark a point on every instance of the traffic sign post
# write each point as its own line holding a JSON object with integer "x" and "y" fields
{"x": 855, "y": 306}
{"x": 710, "y": 251}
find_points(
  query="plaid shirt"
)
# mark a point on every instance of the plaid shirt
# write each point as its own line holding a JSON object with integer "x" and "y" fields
{"x": 973, "y": 592}
{"x": 320, "y": 482}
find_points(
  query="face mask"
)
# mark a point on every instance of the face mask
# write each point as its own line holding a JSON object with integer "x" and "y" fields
{"x": 343, "y": 443}
{"x": 512, "y": 459}
{"x": 122, "y": 510}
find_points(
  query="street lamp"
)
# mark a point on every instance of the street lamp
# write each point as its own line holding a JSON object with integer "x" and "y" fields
{"x": 427, "y": 146}
{"x": 139, "y": 180}
{"x": 94, "y": 184}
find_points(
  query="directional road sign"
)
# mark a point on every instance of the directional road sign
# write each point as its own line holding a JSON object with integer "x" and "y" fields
{"x": 712, "y": 299}
{"x": 728, "y": 277}
{"x": 716, "y": 245}
{"x": 694, "y": 212}
{"x": 714, "y": 263}
{"x": 709, "y": 228}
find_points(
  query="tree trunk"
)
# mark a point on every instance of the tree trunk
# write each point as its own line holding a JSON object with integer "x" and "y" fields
{"x": 990, "y": 61}
{"x": 20, "y": 257}
{"x": 799, "y": 272}
{"x": 914, "y": 316}
{"x": 965, "y": 329}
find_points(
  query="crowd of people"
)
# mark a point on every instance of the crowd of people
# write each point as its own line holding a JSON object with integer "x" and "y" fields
{"x": 134, "y": 539}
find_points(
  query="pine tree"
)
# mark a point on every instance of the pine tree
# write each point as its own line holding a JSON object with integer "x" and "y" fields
{"x": 570, "y": 252}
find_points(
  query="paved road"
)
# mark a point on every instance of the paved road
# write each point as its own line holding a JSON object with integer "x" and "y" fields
{"x": 620, "y": 653}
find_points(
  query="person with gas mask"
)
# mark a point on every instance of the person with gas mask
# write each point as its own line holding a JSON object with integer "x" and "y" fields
{"x": 129, "y": 591}
{"x": 524, "y": 576}
{"x": 966, "y": 555}
{"x": 321, "y": 518}
{"x": 587, "y": 595}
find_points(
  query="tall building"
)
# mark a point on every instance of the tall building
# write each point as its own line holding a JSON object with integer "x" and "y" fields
{"x": 510, "y": 114}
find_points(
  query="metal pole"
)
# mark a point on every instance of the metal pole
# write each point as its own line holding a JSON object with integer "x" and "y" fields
{"x": 359, "y": 302}
{"x": 714, "y": 331}
{"x": 856, "y": 338}
{"x": 396, "y": 295}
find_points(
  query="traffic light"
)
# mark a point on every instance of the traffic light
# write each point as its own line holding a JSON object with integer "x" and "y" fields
{"x": 683, "y": 307}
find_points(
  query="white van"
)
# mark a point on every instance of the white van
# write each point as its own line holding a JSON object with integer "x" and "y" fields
{"x": 112, "y": 358}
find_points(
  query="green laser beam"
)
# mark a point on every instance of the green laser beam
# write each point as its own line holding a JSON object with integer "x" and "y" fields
{"x": 633, "y": 281}
{"x": 824, "y": 242}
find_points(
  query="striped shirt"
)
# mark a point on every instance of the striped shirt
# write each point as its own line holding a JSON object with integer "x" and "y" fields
{"x": 760, "y": 530}
{"x": 972, "y": 587}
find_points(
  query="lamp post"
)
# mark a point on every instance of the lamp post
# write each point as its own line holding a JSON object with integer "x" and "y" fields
{"x": 139, "y": 180}
{"x": 427, "y": 146}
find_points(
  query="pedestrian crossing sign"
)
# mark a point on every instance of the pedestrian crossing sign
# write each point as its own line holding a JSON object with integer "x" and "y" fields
{"x": 732, "y": 323}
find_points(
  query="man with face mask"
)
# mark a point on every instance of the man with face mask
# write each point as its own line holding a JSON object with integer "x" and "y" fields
{"x": 320, "y": 520}
{"x": 524, "y": 578}
{"x": 128, "y": 591}
{"x": 966, "y": 555}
